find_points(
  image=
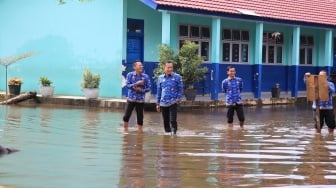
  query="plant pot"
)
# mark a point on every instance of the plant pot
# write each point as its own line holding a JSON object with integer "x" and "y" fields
{"x": 91, "y": 93}
{"x": 14, "y": 89}
{"x": 190, "y": 94}
{"x": 47, "y": 91}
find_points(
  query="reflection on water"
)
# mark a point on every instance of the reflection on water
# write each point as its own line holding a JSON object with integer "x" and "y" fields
{"x": 132, "y": 164}
{"x": 64, "y": 147}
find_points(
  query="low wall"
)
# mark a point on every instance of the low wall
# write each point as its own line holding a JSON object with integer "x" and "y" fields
{"x": 121, "y": 103}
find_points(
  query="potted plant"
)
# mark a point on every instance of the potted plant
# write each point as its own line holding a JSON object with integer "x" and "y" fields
{"x": 14, "y": 85}
{"x": 45, "y": 86}
{"x": 6, "y": 62}
{"x": 191, "y": 69}
{"x": 187, "y": 64}
{"x": 90, "y": 84}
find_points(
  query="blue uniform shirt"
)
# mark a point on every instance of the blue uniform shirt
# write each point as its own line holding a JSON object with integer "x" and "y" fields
{"x": 131, "y": 79}
{"x": 232, "y": 87}
{"x": 169, "y": 89}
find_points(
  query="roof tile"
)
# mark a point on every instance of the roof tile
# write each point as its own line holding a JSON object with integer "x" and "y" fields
{"x": 310, "y": 11}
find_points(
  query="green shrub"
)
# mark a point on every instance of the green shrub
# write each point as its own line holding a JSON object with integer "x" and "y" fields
{"x": 45, "y": 81}
{"x": 90, "y": 80}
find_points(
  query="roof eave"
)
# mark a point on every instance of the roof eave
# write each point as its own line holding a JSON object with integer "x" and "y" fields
{"x": 243, "y": 17}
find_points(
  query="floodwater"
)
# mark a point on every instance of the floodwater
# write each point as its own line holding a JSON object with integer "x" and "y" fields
{"x": 71, "y": 147}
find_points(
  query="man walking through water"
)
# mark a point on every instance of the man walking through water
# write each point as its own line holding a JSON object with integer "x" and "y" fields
{"x": 169, "y": 93}
{"x": 138, "y": 84}
{"x": 232, "y": 87}
{"x": 326, "y": 108}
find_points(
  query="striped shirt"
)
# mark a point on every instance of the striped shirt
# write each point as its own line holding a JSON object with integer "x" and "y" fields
{"x": 232, "y": 87}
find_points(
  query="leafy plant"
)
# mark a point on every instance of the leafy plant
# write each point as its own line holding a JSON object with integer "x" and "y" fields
{"x": 166, "y": 53}
{"x": 90, "y": 80}
{"x": 45, "y": 81}
{"x": 187, "y": 62}
{"x": 15, "y": 81}
{"x": 190, "y": 61}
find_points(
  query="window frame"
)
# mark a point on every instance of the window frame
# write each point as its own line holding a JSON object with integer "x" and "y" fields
{"x": 267, "y": 44}
{"x": 231, "y": 42}
{"x": 306, "y": 44}
{"x": 200, "y": 39}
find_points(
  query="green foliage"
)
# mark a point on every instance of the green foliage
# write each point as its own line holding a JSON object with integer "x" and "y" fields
{"x": 187, "y": 62}
{"x": 90, "y": 80}
{"x": 45, "y": 81}
{"x": 166, "y": 53}
{"x": 190, "y": 61}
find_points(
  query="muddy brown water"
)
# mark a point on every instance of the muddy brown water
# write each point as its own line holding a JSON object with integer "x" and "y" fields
{"x": 71, "y": 147}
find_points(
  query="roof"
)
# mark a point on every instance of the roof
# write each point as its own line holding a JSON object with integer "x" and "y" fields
{"x": 304, "y": 12}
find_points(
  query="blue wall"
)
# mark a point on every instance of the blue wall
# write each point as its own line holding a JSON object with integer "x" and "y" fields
{"x": 271, "y": 75}
{"x": 68, "y": 38}
{"x": 75, "y": 35}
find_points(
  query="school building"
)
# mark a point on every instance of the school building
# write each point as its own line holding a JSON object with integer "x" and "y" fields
{"x": 269, "y": 42}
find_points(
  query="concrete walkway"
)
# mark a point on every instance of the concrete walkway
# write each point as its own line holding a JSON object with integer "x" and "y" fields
{"x": 200, "y": 101}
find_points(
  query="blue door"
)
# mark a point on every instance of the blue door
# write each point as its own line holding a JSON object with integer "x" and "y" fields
{"x": 135, "y": 45}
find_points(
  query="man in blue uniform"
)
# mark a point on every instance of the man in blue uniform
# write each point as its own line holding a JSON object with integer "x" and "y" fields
{"x": 169, "y": 93}
{"x": 232, "y": 87}
{"x": 138, "y": 83}
{"x": 326, "y": 108}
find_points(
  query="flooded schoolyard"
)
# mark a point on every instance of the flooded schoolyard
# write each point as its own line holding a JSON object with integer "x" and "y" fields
{"x": 82, "y": 147}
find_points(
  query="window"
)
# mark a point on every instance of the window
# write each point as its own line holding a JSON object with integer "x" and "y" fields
{"x": 272, "y": 47}
{"x": 198, "y": 34}
{"x": 306, "y": 50}
{"x": 184, "y": 32}
{"x": 235, "y": 45}
{"x": 195, "y": 31}
{"x": 134, "y": 27}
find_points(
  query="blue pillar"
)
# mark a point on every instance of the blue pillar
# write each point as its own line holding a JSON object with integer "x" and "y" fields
{"x": 257, "y": 69}
{"x": 166, "y": 18}
{"x": 215, "y": 57}
{"x": 295, "y": 62}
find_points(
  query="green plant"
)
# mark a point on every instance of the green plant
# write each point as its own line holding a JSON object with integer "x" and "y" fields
{"x": 90, "y": 80}
{"x": 166, "y": 53}
{"x": 191, "y": 69}
{"x": 15, "y": 81}
{"x": 45, "y": 81}
{"x": 187, "y": 62}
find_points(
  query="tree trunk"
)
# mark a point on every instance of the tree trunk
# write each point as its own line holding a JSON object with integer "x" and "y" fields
{"x": 20, "y": 98}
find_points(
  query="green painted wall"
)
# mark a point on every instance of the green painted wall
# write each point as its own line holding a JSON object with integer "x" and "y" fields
{"x": 68, "y": 38}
